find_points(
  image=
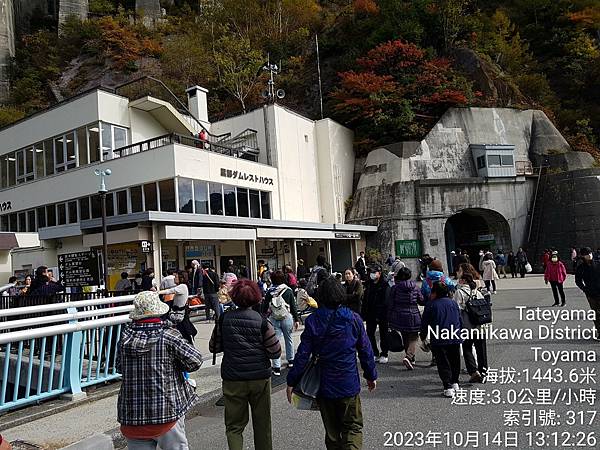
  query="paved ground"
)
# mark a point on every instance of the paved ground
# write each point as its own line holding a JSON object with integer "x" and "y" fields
{"x": 411, "y": 401}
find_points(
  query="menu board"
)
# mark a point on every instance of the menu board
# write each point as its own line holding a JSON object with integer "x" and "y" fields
{"x": 79, "y": 269}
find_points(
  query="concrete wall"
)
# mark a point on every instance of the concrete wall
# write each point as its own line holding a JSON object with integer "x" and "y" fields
{"x": 7, "y": 44}
{"x": 77, "y": 8}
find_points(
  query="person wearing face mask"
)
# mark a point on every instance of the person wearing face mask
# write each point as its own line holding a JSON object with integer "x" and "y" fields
{"x": 587, "y": 278}
{"x": 374, "y": 312}
{"x": 354, "y": 291}
{"x": 556, "y": 274}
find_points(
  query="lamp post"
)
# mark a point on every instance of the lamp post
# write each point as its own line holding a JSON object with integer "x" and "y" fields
{"x": 103, "y": 173}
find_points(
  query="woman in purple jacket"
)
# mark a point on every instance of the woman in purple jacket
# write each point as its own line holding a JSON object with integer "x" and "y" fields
{"x": 338, "y": 334}
{"x": 403, "y": 313}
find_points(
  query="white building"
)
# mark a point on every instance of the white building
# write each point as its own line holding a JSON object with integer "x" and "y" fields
{"x": 269, "y": 184}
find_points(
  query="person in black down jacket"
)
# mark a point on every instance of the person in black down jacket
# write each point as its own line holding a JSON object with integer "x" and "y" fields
{"x": 403, "y": 313}
{"x": 354, "y": 291}
{"x": 374, "y": 311}
{"x": 248, "y": 343}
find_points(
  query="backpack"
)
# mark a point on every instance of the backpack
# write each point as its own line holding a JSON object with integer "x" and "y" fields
{"x": 292, "y": 280}
{"x": 478, "y": 309}
{"x": 313, "y": 281}
{"x": 279, "y": 307}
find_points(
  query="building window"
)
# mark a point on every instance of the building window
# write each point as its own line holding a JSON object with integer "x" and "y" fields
{"x": 229, "y": 197}
{"x": 122, "y": 202}
{"x": 254, "y": 204}
{"x": 51, "y": 215}
{"x": 200, "y": 197}
{"x": 120, "y": 137}
{"x": 40, "y": 161}
{"x": 12, "y": 167}
{"x": 59, "y": 154}
{"x": 265, "y": 204}
{"x": 82, "y": 146}
{"x": 22, "y": 218}
{"x": 113, "y": 137}
{"x": 4, "y": 169}
{"x": 31, "y": 221}
{"x": 507, "y": 161}
{"x": 242, "y": 202}
{"x": 12, "y": 222}
{"x": 493, "y": 160}
{"x": 84, "y": 208}
{"x": 4, "y": 223}
{"x": 64, "y": 152}
{"x": 49, "y": 153}
{"x": 216, "y": 198}
{"x": 106, "y": 141}
{"x": 150, "y": 198}
{"x": 481, "y": 162}
{"x": 137, "y": 204}
{"x": 41, "y": 217}
{"x": 96, "y": 207}
{"x": 110, "y": 205}
{"x": 167, "y": 195}
{"x": 72, "y": 206}
{"x": 61, "y": 214}
{"x": 185, "y": 192}
{"x": 94, "y": 142}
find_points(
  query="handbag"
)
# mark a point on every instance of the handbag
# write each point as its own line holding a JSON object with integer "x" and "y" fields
{"x": 395, "y": 341}
{"x": 310, "y": 381}
{"x": 528, "y": 268}
{"x": 479, "y": 310}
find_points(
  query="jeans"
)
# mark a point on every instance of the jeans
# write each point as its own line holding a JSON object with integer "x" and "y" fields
{"x": 284, "y": 327}
{"x": 343, "y": 422}
{"x": 491, "y": 283}
{"x": 174, "y": 439}
{"x": 556, "y": 289}
{"x": 448, "y": 363}
{"x": 481, "y": 350}
{"x": 383, "y": 327}
{"x": 211, "y": 301}
{"x": 238, "y": 395}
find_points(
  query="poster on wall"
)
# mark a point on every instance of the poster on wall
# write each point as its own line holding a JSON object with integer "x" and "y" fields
{"x": 79, "y": 269}
{"x": 408, "y": 248}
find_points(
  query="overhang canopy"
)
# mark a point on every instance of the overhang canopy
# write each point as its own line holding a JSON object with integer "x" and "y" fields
{"x": 164, "y": 113}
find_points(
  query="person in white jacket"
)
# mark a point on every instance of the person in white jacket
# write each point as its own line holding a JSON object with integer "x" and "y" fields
{"x": 489, "y": 273}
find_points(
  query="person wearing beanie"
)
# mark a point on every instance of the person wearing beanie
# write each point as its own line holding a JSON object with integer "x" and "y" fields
{"x": 154, "y": 395}
{"x": 556, "y": 274}
{"x": 435, "y": 274}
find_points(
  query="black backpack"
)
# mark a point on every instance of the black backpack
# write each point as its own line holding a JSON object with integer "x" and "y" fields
{"x": 479, "y": 310}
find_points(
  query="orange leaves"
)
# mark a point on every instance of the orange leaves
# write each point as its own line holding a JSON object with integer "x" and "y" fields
{"x": 366, "y": 7}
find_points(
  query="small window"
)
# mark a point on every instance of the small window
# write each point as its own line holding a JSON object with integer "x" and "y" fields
{"x": 96, "y": 207}
{"x": 12, "y": 167}
{"x": 59, "y": 154}
{"x": 493, "y": 160}
{"x": 39, "y": 160}
{"x": 94, "y": 142}
{"x": 51, "y": 215}
{"x": 481, "y": 162}
{"x": 150, "y": 197}
{"x": 265, "y": 204}
{"x": 122, "y": 202}
{"x": 49, "y": 153}
{"x": 110, "y": 205}
{"x": 216, "y": 199}
{"x": 136, "y": 199}
{"x": 507, "y": 160}
{"x": 72, "y": 212}
{"x": 229, "y": 196}
{"x": 71, "y": 157}
{"x": 107, "y": 146}
{"x": 200, "y": 197}
{"x": 120, "y": 135}
{"x": 84, "y": 208}
{"x": 22, "y": 222}
{"x": 254, "y": 204}
{"x": 242, "y": 202}
{"x": 184, "y": 191}
{"x": 4, "y": 223}
{"x": 4, "y": 169}
{"x": 61, "y": 214}
{"x": 82, "y": 146}
{"x": 167, "y": 195}
{"x": 41, "y": 217}
{"x": 31, "y": 221}
{"x": 12, "y": 222}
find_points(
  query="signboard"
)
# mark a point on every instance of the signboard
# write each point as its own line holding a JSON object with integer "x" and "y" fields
{"x": 408, "y": 248}
{"x": 79, "y": 269}
{"x": 200, "y": 251}
{"x": 485, "y": 237}
{"x": 347, "y": 235}
{"x": 244, "y": 176}
{"x": 146, "y": 247}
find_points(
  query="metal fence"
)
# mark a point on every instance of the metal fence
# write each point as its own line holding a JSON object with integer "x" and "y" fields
{"x": 56, "y": 348}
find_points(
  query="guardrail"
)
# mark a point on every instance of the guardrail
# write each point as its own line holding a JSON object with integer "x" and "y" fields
{"x": 70, "y": 346}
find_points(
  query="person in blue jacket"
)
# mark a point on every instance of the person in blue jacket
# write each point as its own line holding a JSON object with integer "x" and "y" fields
{"x": 434, "y": 274}
{"x": 337, "y": 333}
{"x": 442, "y": 313}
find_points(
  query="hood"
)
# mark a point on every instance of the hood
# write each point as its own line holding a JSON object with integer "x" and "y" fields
{"x": 405, "y": 285}
{"x": 344, "y": 315}
{"x": 140, "y": 338}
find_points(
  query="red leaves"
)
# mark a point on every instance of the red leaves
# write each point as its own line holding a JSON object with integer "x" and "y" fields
{"x": 390, "y": 55}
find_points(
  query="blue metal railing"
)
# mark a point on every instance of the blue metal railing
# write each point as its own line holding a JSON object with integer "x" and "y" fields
{"x": 48, "y": 356}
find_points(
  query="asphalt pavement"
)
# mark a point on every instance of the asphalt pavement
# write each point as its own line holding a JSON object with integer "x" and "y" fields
{"x": 408, "y": 402}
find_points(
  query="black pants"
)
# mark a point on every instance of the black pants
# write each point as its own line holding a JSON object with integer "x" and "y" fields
{"x": 492, "y": 283}
{"x": 383, "y": 327}
{"x": 522, "y": 270}
{"x": 513, "y": 271}
{"x": 556, "y": 289}
{"x": 448, "y": 363}
{"x": 481, "y": 351}
{"x": 211, "y": 301}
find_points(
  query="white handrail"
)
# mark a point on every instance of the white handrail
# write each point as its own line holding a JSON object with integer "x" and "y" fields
{"x": 34, "y": 333}
{"x": 32, "y": 321}
{"x": 59, "y": 306}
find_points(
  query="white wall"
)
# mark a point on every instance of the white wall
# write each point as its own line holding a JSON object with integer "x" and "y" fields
{"x": 113, "y": 108}
{"x": 143, "y": 126}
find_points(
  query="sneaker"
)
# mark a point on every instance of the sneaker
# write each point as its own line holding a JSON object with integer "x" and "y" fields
{"x": 383, "y": 360}
{"x": 290, "y": 364}
{"x": 476, "y": 377}
{"x": 408, "y": 363}
{"x": 495, "y": 292}
{"x": 276, "y": 371}
{"x": 449, "y": 393}
{"x": 455, "y": 387}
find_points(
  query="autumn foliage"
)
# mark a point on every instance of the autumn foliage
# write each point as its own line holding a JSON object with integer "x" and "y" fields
{"x": 397, "y": 91}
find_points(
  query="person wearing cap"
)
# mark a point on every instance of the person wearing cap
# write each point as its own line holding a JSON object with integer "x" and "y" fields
{"x": 154, "y": 396}
{"x": 374, "y": 311}
{"x": 556, "y": 274}
{"x": 587, "y": 278}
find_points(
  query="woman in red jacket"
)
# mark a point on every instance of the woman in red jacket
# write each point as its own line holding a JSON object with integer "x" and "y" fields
{"x": 556, "y": 274}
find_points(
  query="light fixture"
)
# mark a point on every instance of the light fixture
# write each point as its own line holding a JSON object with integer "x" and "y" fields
{"x": 59, "y": 139}
{"x": 72, "y": 157}
{"x": 11, "y": 159}
{"x": 94, "y": 129}
{"x": 39, "y": 150}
